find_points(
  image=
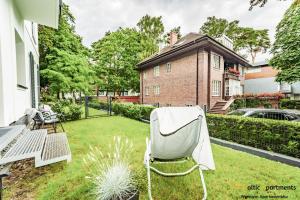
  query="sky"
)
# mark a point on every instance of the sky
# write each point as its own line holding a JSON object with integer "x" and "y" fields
{"x": 95, "y": 17}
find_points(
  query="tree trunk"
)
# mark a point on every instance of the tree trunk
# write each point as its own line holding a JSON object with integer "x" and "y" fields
{"x": 97, "y": 91}
{"x": 253, "y": 56}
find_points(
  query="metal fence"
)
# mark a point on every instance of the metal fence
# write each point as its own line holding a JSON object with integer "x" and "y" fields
{"x": 94, "y": 107}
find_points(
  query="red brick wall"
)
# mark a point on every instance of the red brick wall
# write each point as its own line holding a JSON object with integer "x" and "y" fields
{"x": 178, "y": 87}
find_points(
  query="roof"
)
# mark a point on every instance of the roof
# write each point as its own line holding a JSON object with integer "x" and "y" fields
{"x": 187, "y": 43}
{"x": 297, "y": 112}
{"x": 261, "y": 63}
{"x": 45, "y": 12}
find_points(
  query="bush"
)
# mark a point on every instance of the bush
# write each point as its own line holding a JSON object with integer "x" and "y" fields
{"x": 103, "y": 105}
{"x": 133, "y": 111}
{"x": 289, "y": 104}
{"x": 250, "y": 103}
{"x": 272, "y": 135}
{"x": 70, "y": 111}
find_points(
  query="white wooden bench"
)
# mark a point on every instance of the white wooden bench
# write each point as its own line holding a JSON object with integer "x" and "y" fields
{"x": 19, "y": 143}
{"x": 44, "y": 148}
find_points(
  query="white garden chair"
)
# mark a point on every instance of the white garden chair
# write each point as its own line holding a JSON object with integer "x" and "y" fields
{"x": 177, "y": 133}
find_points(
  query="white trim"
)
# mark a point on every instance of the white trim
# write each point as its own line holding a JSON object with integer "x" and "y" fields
{"x": 216, "y": 88}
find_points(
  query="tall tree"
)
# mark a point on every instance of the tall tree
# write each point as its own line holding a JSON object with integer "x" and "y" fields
{"x": 63, "y": 59}
{"x": 286, "y": 51}
{"x": 216, "y": 27}
{"x": 151, "y": 29}
{"x": 260, "y": 3}
{"x": 254, "y": 3}
{"x": 254, "y": 41}
{"x": 116, "y": 56}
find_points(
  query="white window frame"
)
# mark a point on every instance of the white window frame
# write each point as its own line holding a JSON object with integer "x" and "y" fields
{"x": 214, "y": 61}
{"x": 156, "y": 71}
{"x": 147, "y": 91}
{"x": 169, "y": 67}
{"x": 20, "y": 60}
{"x": 216, "y": 88}
{"x": 144, "y": 75}
{"x": 156, "y": 90}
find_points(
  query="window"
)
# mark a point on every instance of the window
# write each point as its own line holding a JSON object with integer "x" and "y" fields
{"x": 156, "y": 71}
{"x": 216, "y": 88}
{"x": 147, "y": 91}
{"x": 20, "y": 61}
{"x": 216, "y": 61}
{"x": 145, "y": 75}
{"x": 168, "y": 67}
{"x": 237, "y": 112}
{"x": 156, "y": 89}
{"x": 257, "y": 114}
{"x": 227, "y": 89}
{"x": 168, "y": 105}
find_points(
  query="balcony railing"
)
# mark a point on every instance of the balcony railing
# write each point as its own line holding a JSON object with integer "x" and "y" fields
{"x": 231, "y": 75}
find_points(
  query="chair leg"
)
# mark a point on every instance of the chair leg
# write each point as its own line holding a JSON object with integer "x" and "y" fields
{"x": 62, "y": 126}
{"x": 54, "y": 127}
{"x": 148, "y": 170}
{"x": 203, "y": 184}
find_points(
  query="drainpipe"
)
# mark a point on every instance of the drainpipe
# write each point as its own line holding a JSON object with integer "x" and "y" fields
{"x": 208, "y": 80}
{"x": 142, "y": 86}
{"x": 197, "y": 79}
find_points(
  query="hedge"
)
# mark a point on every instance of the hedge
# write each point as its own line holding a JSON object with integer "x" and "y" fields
{"x": 98, "y": 105}
{"x": 250, "y": 103}
{"x": 69, "y": 110}
{"x": 289, "y": 104}
{"x": 134, "y": 111}
{"x": 272, "y": 135}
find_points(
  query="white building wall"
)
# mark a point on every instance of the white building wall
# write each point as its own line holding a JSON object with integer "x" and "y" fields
{"x": 13, "y": 99}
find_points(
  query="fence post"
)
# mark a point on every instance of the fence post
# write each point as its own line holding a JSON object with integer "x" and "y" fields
{"x": 110, "y": 108}
{"x": 86, "y": 104}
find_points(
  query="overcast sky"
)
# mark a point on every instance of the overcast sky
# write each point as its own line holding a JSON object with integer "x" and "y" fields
{"x": 95, "y": 17}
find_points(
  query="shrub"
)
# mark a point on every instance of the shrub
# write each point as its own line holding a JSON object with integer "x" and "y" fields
{"x": 69, "y": 110}
{"x": 289, "y": 104}
{"x": 272, "y": 135}
{"x": 110, "y": 173}
{"x": 250, "y": 103}
{"x": 133, "y": 111}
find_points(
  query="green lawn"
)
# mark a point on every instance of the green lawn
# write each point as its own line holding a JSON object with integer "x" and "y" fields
{"x": 235, "y": 171}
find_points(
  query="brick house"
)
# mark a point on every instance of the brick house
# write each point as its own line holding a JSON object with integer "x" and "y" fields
{"x": 195, "y": 70}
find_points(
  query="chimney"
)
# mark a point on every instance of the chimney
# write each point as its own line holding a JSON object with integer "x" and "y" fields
{"x": 173, "y": 38}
